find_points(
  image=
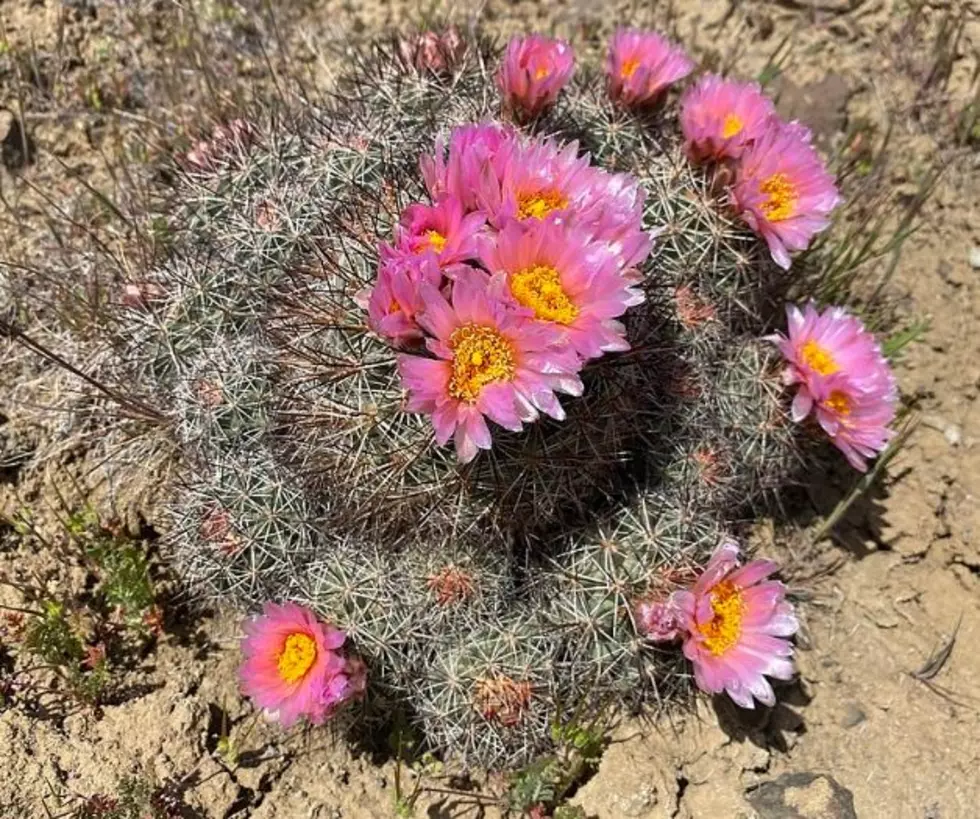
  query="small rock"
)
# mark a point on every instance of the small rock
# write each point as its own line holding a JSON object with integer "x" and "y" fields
{"x": 953, "y": 435}
{"x": 638, "y": 803}
{"x": 853, "y": 715}
{"x": 802, "y": 796}
{"x": 975, "y": 257}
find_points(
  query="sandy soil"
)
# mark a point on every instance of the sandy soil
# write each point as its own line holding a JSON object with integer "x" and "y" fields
{"x": 901, "y": 577}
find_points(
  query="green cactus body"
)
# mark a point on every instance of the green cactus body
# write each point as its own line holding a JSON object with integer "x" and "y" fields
{"x": 487, "y": 598}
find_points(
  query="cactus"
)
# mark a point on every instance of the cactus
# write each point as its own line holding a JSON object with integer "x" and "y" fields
{"x": 491, "y": 599}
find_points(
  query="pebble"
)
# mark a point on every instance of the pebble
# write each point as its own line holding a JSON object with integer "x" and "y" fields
{"x": 802, "y": 796}
{"x": 853, "y": 715}
{"x": 953, "y": 435}
{"x": 975, "y": 257}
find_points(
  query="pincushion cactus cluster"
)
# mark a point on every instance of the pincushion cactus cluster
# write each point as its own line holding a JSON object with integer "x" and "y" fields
{"x": 502, "y": 251}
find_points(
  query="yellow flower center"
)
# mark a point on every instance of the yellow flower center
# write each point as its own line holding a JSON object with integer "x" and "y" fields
{"x": 839, "y": 403}
{"x": 481, "y": 356}
{"x": 434, "y": 240}
{"x": 733, "y": 126}
{"x": 725, "y": 627}
{"x": 818, "y": 359}
{"x": 629, "y": 68}
{"x": 782, "y": 197}
{"x": 539, "y": 204}
{"x": 297, "y": 656}
{"x": 541, "y": 72}
{"x": 540, "y": 289}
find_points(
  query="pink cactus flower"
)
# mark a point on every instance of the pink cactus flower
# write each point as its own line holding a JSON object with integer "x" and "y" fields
{"x": 641, "y": 65}
{"x": 542, "y": 181}
{"x": 842, "y": 377}
{"x": 783, "y": 189}
{"x": 560, "y": 276}
{"x": 293, "y": 666}
{"x": 736, "y": 622}
{"x": 534, "y": 69}
{"x": 491, "y": 363}
{"x": 395, "y": 299}
{"x": 476, "y": 156}
{"x": 439, "y": 230}
{"x": 721, "y": 117}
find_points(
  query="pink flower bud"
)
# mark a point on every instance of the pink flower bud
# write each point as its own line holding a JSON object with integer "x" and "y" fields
{"x": 534, "y": 69}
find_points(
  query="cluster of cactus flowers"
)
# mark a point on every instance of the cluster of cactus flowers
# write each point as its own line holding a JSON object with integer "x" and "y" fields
{"x": 579, "y": 283}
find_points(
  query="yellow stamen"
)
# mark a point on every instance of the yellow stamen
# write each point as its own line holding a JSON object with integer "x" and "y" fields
{"x": 540, "y": 289}
{"x": 782, "y": 200}
{"x": 818, "y": 359}
{"x": 481, "y": 356}
{"x": 629, "y": 69}
{"x": 725, "y": 627}
{"x": 538, "y": 204}
{"x": 541, "y": 73}
{"x": 297, "y": 657}
{"x": 436, "y": 240}
{"x": 839, "y": 403}
{"x": 733, "y": 126}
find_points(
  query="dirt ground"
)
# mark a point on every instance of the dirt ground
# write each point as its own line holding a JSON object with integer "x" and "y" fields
{"x": 900, "y": 579}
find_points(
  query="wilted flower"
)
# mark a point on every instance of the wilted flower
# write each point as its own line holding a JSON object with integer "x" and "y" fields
{"x": 721, "y": 117}
{"x": 641, "y": 65}
{"x": 842, "y": 377}
{"x": 534, "y": 69}
{"x": 560, "y": 276}
{"x": 659, "y": 620}
{"x": 502, "y": 699}
{"x": 138, "y": 295}
{"x": 783, "y": 190}
{"x": 293, "y": 666}
{"x": 735, "y": 623}
{"x": 491, "y": 363}
{"x": 225, "y": 140}
{"x": 432, "y": 51}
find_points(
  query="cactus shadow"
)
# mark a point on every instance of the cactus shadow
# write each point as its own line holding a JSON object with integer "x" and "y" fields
{"x": 862, "y": 520}
{"x": 770, "y": 728}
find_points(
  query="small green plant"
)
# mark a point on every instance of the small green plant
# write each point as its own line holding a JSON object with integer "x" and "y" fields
{"x": 404, "y": 743}
{"x": 68, "y": 644}
{"x": 540, "y": 788}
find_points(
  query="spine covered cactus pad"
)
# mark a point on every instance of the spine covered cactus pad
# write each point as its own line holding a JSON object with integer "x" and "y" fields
{"x": 477, "y": 371}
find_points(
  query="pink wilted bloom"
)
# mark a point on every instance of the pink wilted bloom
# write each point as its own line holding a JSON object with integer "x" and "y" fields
{"x": 475, "y": 161}
{"x": 541, "y": 181}
{"x": 721, "y": 117}
{"x": 736, "y": 622}
{"x": 659, "y": 620}
{"x": 431, "y": 51}
{"x": 641, "y": 65}
{"x": 293, "y": 666}
{"x": 783, "y": 189}
{"x": 439, "y": 230}
{"x": 842, "y": 377}
{"x": 561, "y": 276}
{"x": 225, "y": 140}
{"x": 492, "y": 363}
{"x": 395, "y": 299}
{"x": 534, "y": 69}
